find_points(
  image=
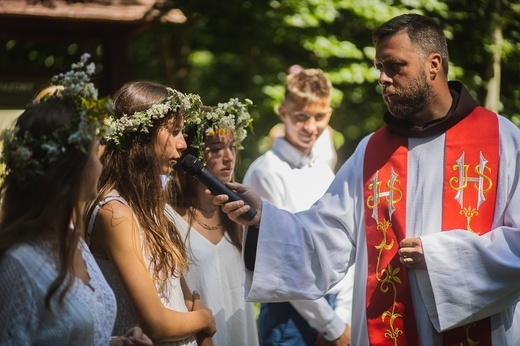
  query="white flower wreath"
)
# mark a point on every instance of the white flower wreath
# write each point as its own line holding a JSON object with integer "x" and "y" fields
{"x": 232, "y": 115}
{"x": 188, "y": 105}
{"x": 26, "y": 157}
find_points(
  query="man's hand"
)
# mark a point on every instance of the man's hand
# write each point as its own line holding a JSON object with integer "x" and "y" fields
{"x": 237, "y": 208}
{"x": 411, "y": 253}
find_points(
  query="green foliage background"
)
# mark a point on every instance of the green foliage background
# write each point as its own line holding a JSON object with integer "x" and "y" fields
{"x": 243, "y": 49}
{"x": 238, "y": 48}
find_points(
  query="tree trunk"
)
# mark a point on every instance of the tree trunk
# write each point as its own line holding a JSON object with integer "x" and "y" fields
{"x": 175, "y": 49}
{"x": 496, "y": 41}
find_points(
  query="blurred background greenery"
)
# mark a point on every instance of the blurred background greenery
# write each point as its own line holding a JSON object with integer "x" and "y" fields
{"x": 243, "y": 48}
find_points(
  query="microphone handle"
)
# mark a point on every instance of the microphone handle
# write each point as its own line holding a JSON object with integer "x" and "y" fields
{"x": 219, "y": 188}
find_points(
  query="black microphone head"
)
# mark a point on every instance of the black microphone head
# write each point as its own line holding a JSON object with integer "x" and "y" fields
{"x": 191, "y": 165}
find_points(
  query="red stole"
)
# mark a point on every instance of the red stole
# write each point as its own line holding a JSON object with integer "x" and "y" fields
{"x": 390, "y": 316}
{"x": 470, "y": 175}
{"x": 471, "y": 172}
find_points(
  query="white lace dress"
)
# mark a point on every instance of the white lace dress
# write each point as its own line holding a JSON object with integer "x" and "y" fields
{"x": 170, "y": 293}
{"x": 85, "y": 317}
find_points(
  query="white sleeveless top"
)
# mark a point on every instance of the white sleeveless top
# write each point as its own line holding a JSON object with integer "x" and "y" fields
{"x": 215, "y": 270}
{"x": 170, "y": 292}
{"x": 85, "y": 317}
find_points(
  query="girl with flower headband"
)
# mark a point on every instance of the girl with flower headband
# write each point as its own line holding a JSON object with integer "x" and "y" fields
{"x": 51, "y": 290}
{"x": 138, "y": 249}
{"x": 213, "y": 241}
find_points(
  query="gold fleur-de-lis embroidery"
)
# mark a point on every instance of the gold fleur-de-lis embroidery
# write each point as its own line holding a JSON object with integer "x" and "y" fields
{"x": 468, "y": 213}
{"x": 388, "y": 278}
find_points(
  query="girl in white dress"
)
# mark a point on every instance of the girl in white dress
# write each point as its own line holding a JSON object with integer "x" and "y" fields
{"x": 138, "y": 249}
{"x": 214, "y": 242}
{"x": 51, "y": 290}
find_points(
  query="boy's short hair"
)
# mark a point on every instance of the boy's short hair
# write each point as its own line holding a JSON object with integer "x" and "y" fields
{"x": 308, "y": 85}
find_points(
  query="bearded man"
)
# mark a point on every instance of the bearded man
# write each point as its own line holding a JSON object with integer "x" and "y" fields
{"x": 427, "y": 209}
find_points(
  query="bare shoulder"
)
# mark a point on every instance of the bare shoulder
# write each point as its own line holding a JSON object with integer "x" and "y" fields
{"x": 115, "y": 214}
{"x": 116, "y": 227}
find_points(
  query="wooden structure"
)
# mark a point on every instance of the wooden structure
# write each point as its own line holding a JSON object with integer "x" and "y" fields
{"x": 109, "y": 23}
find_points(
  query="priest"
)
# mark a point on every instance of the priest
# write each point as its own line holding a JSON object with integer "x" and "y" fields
{"x": 428, "y": 208}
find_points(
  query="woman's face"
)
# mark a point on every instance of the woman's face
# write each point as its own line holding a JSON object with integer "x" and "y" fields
{"x": 92, "y": 172}
{"x": 169, "y": 144}
{"x": 220, "y": 155}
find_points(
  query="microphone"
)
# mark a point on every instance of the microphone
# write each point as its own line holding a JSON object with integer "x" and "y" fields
{"x": 191, "y": 165}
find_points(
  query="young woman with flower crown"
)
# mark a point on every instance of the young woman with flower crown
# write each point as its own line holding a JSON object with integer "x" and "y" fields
{"x": 51, "y": 290}
{"x": 214, "y": 242}
{"x": 138, "y": 249}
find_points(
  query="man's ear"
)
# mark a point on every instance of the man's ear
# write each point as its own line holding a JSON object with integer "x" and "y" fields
{"x": 435, "y": 65}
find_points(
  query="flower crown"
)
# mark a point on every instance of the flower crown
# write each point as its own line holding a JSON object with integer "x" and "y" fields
{"x": 26, "y": 156}
{"x": 232, "y": 115}
{"x": 186, "y": 104}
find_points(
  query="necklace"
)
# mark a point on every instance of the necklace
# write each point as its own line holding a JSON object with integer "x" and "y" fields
{"x": 202, "y": 223}
{"x": 206, "y": 226}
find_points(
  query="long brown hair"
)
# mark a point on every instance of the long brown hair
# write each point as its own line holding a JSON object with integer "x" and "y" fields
{"x": 182, "y": 193}
{"x": 47, "y": 204}
{"x": 133, "y": 170}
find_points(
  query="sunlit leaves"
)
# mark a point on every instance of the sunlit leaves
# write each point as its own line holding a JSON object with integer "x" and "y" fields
{"x": 330, "y": 46}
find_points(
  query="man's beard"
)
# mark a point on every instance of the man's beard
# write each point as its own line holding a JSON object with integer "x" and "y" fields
{"x": 411, "y": 99}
